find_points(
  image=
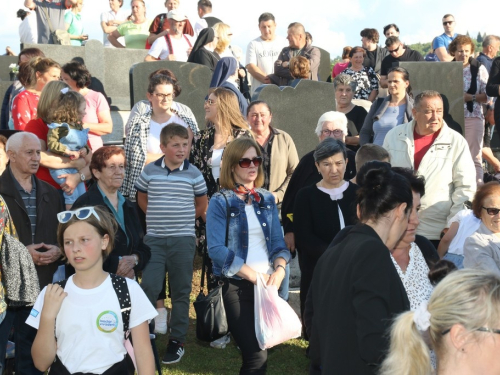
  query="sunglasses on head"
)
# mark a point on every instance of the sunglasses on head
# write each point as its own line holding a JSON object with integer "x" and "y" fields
{"x": 81, "y": 214}
{"x": 492, "y": 211}
{"x": 245, "y": 162}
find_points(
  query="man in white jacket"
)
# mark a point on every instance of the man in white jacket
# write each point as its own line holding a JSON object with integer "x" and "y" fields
{"x": 441, "y": 155}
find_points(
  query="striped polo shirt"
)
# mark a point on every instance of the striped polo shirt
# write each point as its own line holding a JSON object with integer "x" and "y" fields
{"x": 171, "y": 193}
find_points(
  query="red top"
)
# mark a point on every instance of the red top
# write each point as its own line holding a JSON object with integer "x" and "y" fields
{"x": 422, "y": 145}
{"x": 40, "y": 129}
{"x": 24, "y": 108}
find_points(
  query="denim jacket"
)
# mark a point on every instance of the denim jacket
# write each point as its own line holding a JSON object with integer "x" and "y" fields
{"x": 227, "y": 261}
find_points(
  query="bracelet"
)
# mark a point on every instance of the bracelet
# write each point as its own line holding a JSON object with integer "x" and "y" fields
{"x": 278, "y": 266}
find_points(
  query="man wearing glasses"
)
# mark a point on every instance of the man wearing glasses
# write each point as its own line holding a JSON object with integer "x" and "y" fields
{"x": 442, "y": 42}
{"x": 397, "y": 52}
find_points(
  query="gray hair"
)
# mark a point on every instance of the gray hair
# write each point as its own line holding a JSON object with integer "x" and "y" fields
{"x": 329, "y": 147}
{"x": 426, "y": 94}
{"x": 333, "y": 116}
{"x": 489, "y": 40}
{"x": 344, "y": 80}
{"x": 16, "y": 140}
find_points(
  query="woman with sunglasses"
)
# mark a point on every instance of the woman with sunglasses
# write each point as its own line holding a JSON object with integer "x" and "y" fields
{"x": 482, "y": 249}
{"x": 461, "y": 322}
{"x": 80, "y": 327}
{"x": 321, "y": 210}
{"x": 254, "y": 244}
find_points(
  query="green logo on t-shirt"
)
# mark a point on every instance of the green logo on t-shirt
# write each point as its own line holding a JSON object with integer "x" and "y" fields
{"x": 107, "y": 321}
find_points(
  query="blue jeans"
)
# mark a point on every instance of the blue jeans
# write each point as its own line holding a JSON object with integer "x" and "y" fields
{"x": 457, "y": 260}
{"x": 79, "y": 190}
{"x": 285, "y": 284}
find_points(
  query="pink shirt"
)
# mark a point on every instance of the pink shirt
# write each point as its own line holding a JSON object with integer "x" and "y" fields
{"x": 96, "y": 102}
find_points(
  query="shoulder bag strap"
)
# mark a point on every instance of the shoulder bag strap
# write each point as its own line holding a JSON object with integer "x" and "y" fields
{"x": 48, "y": 18}
{"x": 121, "y": 289}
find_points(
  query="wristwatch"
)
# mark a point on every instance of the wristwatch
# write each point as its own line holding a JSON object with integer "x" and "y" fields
{"x": 82, "y": 177}
{"x": 473, "y": 98}
{"x": 136, "y": 259}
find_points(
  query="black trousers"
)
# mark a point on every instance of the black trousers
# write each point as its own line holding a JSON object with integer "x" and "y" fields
{"x": 239, "y": 304}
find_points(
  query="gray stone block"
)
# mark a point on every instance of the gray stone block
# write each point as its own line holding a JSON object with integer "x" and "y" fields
{"x": 5, "y": 61}
{"x": 324, "y": 70}
{"x": 296, "y": 110}
{"x": 447, "y": 79}
{"x": 194, "y": 80}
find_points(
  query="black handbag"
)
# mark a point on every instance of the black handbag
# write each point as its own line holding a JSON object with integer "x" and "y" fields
{"x": 211, "y": 321}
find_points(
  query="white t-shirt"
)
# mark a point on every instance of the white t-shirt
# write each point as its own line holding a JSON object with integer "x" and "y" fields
{"x": 263, "y": 54}
{"x": 257, "y": 257}
{"x": 89, "y": 326}
{"x": 160, "y": 50}
{"x": 216, "y": 161}
{"x": 202, "y": 24}
{"x": 28, "y": 33}
{"x": 153, "y": 144}
{"x": 468, "y": 224}
{"x": 121, "y": 15}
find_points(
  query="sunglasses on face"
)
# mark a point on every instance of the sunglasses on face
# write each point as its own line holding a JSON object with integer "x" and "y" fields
{"x": 81, "y": 214}
{"x": 447, "y": 23}
{"x": 492, "y": 211}
{"x": 245, "y": 162}
{"x": 394, "y": 50}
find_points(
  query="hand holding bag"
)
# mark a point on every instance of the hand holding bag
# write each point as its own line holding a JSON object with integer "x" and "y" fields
{"x": 211, "y": 321}
{"x": 275, "y": 320}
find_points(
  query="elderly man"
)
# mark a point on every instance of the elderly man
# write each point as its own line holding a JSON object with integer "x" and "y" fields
{"x": 55, "y": 10}
{"x": 491, "y": 44}
{"x": 441, "y": 42}
{"x": 374, "y": 53}
{"x": 397, "y": 52}
{"x": 174, "y": 45}
{"x": 263, "y": 52}
{"x": 427, "y": 145}
{"x": 33, "y": 205}
{"x": 297, "y": 47}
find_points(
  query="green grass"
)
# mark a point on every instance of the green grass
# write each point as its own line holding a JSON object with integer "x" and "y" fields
{"x": 200, "y": 359}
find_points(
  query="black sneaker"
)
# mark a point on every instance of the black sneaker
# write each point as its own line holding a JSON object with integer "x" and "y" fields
{"x": 175, "y": 351}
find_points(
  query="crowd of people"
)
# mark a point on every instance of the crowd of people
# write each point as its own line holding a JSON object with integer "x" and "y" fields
{"x": 395, "y": 229}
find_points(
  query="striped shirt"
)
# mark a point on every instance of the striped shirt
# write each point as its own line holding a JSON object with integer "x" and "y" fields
{"x": 29, "y": 200}
{"x": 171, "y": 193}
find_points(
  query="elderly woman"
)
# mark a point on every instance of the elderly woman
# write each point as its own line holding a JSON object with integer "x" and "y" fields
{"x": 203, "y": 51}
{"x": 345, "y": 87}
{"x": 482, "y": 249}
{"x": 97, "y": 113}
{"x": 135, "y": 31}
{"x": 142, "y": 144}
{"x": 366, "y": 80}
{"x": 254, "y": 221}
{"x": 300, "y": 67}
{"x": 321, "y": 210}
{"x": 475, "y": 80}
{"x": 391, "y": 111}
{"x": 226, "y": 75}
{"x": 279, "y": 155}
{"x": 330, "y": 124}
{"x": 129, "y": 253}
{"x": 74, "y": 24}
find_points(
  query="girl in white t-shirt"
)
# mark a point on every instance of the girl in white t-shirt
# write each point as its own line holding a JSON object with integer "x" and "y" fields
{"x": 86, "y": 315}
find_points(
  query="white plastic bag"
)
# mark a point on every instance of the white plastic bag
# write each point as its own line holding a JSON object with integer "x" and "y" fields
{"x": 275, "y": 320}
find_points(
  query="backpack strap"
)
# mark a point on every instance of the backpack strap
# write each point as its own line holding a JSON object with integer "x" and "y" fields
{"x": 121, "y": 289}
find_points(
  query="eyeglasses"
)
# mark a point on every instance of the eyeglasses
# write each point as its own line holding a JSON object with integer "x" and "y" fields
{"x": 394, "y": 50}
{"x": 163, "y": 97}
{"x": 245, "y": 162}
{"x": 329, "y": 132}
{"x": 480, "y": 329}
{"x": 447, "y": 23}
{"x": 81, "y": 214}
{"x": 492, "y": 211}
{"x": 210, "y": 102}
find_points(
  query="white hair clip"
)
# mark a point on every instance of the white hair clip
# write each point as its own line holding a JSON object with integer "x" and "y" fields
{"x": 64, "y": 90}
{"x": 422, "y": 317}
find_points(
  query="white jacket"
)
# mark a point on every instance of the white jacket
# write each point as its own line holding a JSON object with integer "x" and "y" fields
{"x": 448, "y": 170}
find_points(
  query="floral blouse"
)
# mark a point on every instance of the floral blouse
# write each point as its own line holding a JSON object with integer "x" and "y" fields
{"x": 482, "y": 79}
{"x": 366, "y": 81}
{"x": 6, "y": 226}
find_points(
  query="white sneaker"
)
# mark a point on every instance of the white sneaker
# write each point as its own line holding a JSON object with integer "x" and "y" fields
{"x": 221, "y": 343}
{"x": 161, "y": 321}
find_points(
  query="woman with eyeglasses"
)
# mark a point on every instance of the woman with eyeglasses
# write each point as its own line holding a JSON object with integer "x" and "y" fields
{"x": 254, "y": 244}
{"x": 80, "y": 326}
{"x": 482, "y": 249}
{"x": 129, "y": 254}
{"x": 461, "y": 322}
{"x": 321, "y": 210}
{"x": 391, "y": 111}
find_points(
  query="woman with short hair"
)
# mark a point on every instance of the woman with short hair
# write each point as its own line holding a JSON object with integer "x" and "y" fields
{"x": 135, "y": 31}
{"x": 365, "y": 77}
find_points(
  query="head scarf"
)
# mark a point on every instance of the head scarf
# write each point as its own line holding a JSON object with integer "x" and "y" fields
{"x": 225, "y": 68}
{"x": 206, "y": 36}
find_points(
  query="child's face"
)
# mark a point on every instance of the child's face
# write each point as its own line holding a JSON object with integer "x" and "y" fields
{"x": 175, "y": 150}
{"x": 82, "y": 111}
{"x": 83, "y": 246}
